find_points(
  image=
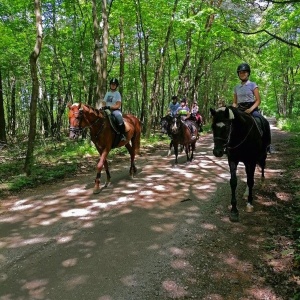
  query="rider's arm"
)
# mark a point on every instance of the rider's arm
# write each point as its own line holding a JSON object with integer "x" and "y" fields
{"x": 256, "y": 101}
{"x": 234, "y": 102}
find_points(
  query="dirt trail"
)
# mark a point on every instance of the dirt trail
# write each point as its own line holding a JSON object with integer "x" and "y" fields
{"x": 164, "y": 235}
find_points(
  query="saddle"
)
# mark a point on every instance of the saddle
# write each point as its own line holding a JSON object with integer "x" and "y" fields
{"x": 115, "y": 126}
{"x": 262, "y": 124}
{"x": 263, "y": 127}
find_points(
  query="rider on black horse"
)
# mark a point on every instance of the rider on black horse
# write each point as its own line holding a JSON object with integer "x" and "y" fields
{"x": 247, "y": 98}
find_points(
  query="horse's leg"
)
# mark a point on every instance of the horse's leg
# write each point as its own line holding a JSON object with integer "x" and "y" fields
{"x": 187, "y": 152}
{"x": 133, "y": 169}
{"x": 108, "y": 177}
{"x": 170, "y": 148}
{"x": 193, "y": 149}
{"x": 99, "y": 169}
{"x": 234, "y": 213}
{"x": 175, "y": 145}
{"x": 250, "y": 169}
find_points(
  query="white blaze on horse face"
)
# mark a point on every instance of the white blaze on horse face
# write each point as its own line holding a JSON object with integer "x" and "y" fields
{"x": 220, "y": 124}
{"x": 231, "y": 115}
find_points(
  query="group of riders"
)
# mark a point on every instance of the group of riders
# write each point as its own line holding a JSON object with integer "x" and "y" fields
{"x": 246, "y": 98}
{"x": 189, "y": 116}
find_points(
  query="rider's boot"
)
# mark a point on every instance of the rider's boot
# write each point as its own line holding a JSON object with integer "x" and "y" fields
{"x": 122, "y": 132}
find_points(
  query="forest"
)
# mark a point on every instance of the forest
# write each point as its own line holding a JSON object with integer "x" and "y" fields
{"x": 60, "y": 51}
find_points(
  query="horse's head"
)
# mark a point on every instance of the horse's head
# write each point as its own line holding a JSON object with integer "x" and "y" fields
{"x": 221, "y": 122}
{"x": 74, "y": 120}
{"x": 176, "y": 124}
{"x": 165, "y": 123}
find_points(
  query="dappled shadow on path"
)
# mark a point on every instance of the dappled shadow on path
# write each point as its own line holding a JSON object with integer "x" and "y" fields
{"x": 164, "y": 235}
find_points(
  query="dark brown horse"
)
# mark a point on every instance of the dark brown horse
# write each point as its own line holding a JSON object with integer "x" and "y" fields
{"x": 181, "y": 135}
{"x": 103, "y": 135}
{"x": 237, "y": 134}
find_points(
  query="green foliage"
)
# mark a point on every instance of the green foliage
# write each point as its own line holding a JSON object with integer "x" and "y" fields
{"x": 289, "y": 124}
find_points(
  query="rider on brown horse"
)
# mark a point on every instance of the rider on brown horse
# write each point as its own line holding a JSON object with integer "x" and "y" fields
{"x": 112, "y": 100}
{"x": 184, "y": 112}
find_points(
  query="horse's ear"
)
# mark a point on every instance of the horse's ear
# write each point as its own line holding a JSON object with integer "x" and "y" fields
{"x": 79, "y": 105}
{"x": 231, "y": 112}
{"x": 69, "y": 104}
{"x": 212, "y": 111}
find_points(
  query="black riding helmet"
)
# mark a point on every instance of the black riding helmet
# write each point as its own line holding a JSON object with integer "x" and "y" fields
{"x": 114, "y": 81}
{"x": 243, "y": 67}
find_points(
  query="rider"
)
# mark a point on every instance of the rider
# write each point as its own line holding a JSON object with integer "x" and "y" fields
{"x": 112, "y": 100}
{"x": 173, "y": 106}
{"x": 247, "y": 98}
{"x": 196, "y": 114}
{"x": 184, "y": 112}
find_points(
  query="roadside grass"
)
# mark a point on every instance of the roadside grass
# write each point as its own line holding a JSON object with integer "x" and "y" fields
{"x": 53, "y": 161}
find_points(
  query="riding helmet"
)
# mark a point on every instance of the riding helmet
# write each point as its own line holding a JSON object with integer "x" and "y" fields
{"x": 243, "y": 67}
{"x": 183, "y": 100}
{"x": 114, "y": 81}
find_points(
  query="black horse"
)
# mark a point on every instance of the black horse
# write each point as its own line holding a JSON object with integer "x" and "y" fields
{"x": 237, "y": 134}
{"x": 181, "y": 135}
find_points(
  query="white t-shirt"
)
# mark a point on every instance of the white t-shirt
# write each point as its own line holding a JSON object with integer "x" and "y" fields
{"x": 245, "y": 92}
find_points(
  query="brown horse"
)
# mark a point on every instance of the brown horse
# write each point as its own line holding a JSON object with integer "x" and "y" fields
{"x": 181, "y": 135}
{"x": 104, "y": 136}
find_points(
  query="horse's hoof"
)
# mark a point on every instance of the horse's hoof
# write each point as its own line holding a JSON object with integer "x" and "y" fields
{"x": 234, "y": 217}
{"x": 96, "y": 191}
{"x": 107, "y": 184}
{"x": 249, "y": 207}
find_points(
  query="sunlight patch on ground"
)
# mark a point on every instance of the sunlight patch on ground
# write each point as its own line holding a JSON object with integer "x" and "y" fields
{"x": 20, "y": 205}
{"x": 71, "y": 262}
{"x": 64, "y": 239}
{"x": 209, "y": 226}
{"x": 173, "y": 289}
{"x": 16, "y": 242}
{"x": 75, "y": 191}
{"x": 76, "y": 212}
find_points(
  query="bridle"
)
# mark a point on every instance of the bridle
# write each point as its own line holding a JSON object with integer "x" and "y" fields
{"x": 227, "y": 140}
{"x": 76, "y": 130}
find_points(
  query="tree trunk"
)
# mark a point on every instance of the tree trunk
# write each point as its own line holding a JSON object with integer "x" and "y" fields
{"x": 144, "y": 59}
{"x": 158, "y": 74}
{"x": 122, "y": 58}
{"x": 35, "y": 88}
{"x": 100, "y": 56}
{"x": 2, "y": 116}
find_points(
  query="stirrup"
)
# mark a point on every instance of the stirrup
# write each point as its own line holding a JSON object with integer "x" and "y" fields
{"x": 270, "y": 149}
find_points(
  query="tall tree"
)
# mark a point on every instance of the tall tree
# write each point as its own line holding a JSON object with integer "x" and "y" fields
{"x": 35, "y": 87}
{"x": 2, "y": 116}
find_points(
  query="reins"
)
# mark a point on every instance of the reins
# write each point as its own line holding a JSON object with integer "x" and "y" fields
{"x": 234, "y": 147}
{"x": 91, "y": 124}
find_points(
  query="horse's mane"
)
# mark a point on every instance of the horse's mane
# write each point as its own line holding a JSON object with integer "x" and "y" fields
{"x": 94, "y": 110}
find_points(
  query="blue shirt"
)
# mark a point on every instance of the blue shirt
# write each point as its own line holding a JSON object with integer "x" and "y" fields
{"x": 245, "y": 92}
{"x": 173, "y": 108}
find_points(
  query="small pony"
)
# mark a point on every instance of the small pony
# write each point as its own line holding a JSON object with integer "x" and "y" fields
{"x": 104, "y": 136}
{"x": 181, "y": 135}
{"x": 237, "y": 134}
